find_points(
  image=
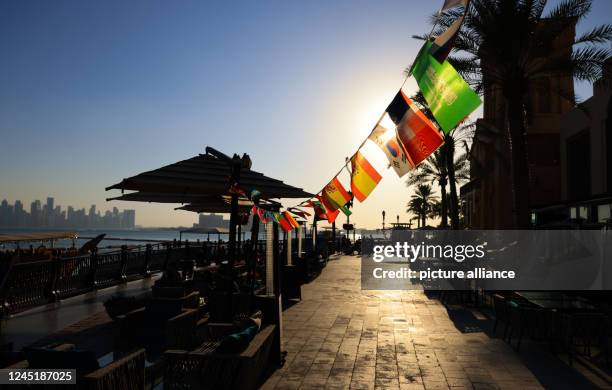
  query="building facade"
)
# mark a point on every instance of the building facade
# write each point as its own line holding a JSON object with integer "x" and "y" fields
{"x": 487, "y": 197}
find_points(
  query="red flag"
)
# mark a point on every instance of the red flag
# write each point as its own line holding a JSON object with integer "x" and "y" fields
{"x": 292, "y": 221}
{"x": 284, "y": 223}
{"x": 417, "y": 134}
{"x": 330, "y": 215}
{"x": 319, "y": 209}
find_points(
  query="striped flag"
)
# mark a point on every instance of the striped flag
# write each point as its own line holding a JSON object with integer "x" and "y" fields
{"x": 364, "y": 177}
{"x": 418, "y": 135}
{"x": 332, "y": 215}
{"x": 329, "y": 215}
{"x": 284, "y": 223}
{"x": 442, "y": 45}
{"x": 298, "y": 212}
{"x": 319, "y": 209}
{"x": 291, "y": 220}
{"x": 260, "y": 213}
{"x": 334, "y": 195}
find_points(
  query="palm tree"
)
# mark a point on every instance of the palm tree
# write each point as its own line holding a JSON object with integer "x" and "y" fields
{"x": 432, "y": 170}
{"x": 415, "y": 206}
{"x": 421, "y": 202}
{"x": 515, "y": 45}
{"x": 449, "y": 169}
{"x": 437, "y": 168}
{"x": 458, "y": 167}
{"x": 436, "y": 210}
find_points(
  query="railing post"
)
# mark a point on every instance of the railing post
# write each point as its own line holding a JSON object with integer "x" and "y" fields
{"x": 52, "y": 289}
{"x": 123, "y": 276}
{"x": 4, "y": 283}
{"x": 93, "y": 263}
{"x": 146, "y": 271}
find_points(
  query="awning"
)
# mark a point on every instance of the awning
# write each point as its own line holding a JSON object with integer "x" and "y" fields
{"x": 204, "y": 174}
{"x": 195, "y": 203}
{"x": 43, "y": 236}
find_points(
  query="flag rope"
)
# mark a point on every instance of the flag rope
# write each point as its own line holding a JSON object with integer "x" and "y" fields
{"x": 408, "y": 75}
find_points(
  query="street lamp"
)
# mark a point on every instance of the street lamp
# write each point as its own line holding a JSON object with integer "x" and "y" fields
{"x": 383, "y": 215}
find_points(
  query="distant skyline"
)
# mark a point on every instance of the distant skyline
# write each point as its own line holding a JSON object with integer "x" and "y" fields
{"x": 96, "y": 91}
{"x": 50, "y": 215}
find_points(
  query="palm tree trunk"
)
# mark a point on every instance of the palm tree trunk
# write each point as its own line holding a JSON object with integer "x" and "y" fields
{"x": 520, "y": 166}
{"x": 443, "y": 201}
{"x": 449, "y": 153}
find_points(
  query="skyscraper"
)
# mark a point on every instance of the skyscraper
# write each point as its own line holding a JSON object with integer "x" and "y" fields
{"x": 49, "y": 212}
{"x": 35, "y": 217}
{"x": 129, "y": 219}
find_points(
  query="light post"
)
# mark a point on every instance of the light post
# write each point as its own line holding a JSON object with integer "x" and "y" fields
{"x": 383, "y": 215}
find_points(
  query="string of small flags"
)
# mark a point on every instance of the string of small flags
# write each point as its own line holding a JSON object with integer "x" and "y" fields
{"x": 404, "y": 134}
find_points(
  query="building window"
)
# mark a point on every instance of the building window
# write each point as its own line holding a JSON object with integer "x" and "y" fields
{"x": 603, "y": 212}
{"x": 583, "y": 213}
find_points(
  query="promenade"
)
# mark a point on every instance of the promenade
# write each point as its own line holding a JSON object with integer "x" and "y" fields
{"x": 37, "y": 324}
{"x": 341, "y": 337}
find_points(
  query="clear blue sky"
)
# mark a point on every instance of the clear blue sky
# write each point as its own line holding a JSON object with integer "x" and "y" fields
{"x": 94, "y": 91}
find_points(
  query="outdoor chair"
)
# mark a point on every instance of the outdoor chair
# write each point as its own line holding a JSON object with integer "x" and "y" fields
{"x": 526, "y": 320}
{"x": 223, "y": 306}
{"x": 205, "y": 368}
{"x": 125, "y": 373}
{"x": 501, "y": 313}
{"x": 584, "y": 329}
{"x": 139, "y": 329}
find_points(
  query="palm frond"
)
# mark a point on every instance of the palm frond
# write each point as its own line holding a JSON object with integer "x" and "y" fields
{"x": 599, "y": 34}
{"x": 570, "y": 9}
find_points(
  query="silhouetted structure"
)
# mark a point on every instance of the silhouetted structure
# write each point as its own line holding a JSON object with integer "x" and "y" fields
{"x": 51, "y": 216}
{"x": 487, "y": 198}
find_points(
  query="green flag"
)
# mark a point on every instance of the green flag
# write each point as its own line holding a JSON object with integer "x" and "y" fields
{"x": 449, "y": 97}
{"x": 346, "y": 210}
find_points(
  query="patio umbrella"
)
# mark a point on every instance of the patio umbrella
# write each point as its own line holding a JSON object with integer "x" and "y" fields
{"x": 211, "y": 182}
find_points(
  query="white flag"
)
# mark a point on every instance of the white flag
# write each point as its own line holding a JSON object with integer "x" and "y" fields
{"x": 386, "y": 139}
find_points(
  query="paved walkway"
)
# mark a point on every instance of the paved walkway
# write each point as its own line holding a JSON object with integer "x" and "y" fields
{"x": 341, "y": 337}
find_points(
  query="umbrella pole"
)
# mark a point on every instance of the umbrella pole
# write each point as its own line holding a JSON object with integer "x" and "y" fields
{"x": 333, "y": 248}
{"x": 239, "y": 239}
{"x": 231, "y": 249}
{"x": 253, "y": 250}
{"x": 236, "y": 164}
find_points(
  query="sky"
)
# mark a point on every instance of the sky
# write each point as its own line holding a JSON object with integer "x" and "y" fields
{"x": 95, "y": 91}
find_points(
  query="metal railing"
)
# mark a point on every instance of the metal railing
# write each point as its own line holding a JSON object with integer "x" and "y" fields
{"x": 34, "y": 283}
{"x": 30, "y": 284}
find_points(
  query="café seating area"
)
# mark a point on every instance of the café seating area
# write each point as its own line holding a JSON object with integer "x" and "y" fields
{"x": 571, "y": 324}
{"x": 194, "y": 321}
